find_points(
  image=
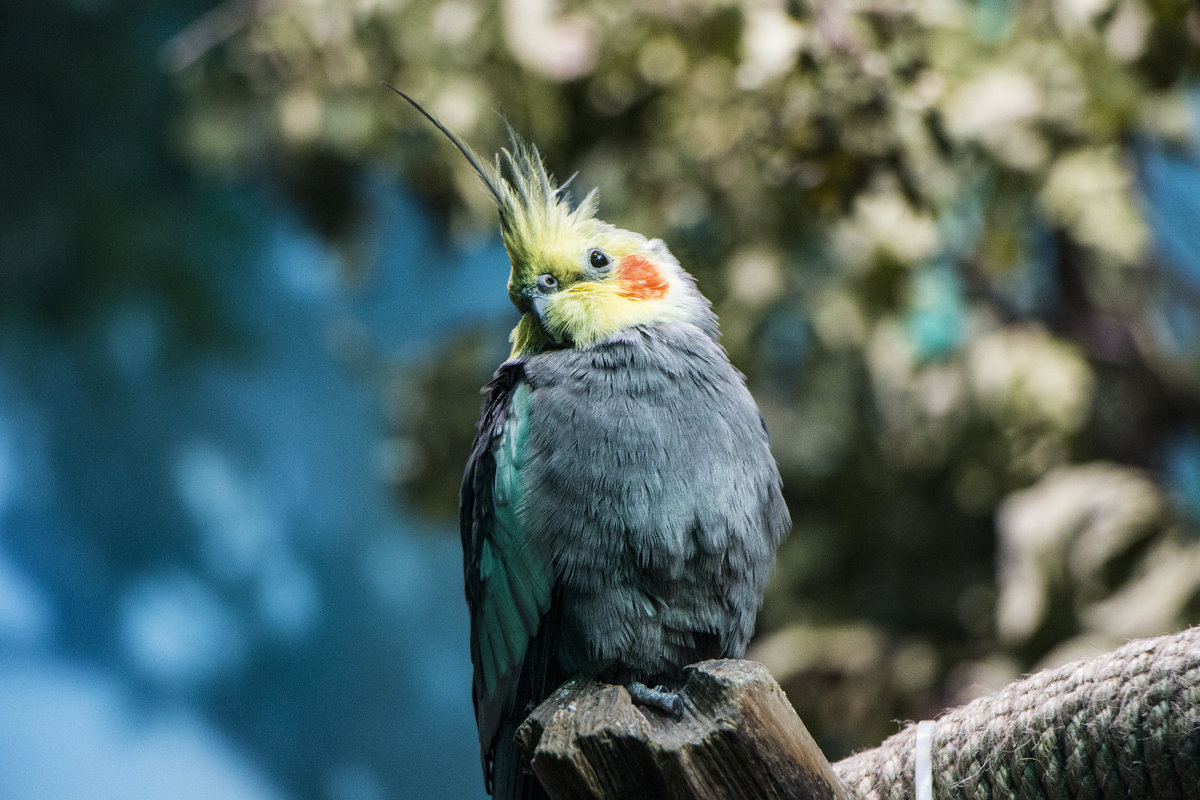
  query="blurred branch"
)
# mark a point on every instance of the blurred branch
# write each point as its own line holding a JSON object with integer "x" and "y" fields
{"x": 211, "y": 29}
{"x": 1125, "y": 724}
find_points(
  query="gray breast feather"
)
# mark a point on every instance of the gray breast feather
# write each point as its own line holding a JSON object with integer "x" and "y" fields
{"x": 650, "y": 480}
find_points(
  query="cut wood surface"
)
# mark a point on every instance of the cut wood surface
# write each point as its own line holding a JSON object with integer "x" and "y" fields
{"x": 739, "y": 737}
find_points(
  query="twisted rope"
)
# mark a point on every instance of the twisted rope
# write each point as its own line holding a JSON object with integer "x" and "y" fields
{"x": 1123, "y": 725}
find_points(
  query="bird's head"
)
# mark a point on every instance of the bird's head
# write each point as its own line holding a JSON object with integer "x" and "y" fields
{"x": 576, "y": 280}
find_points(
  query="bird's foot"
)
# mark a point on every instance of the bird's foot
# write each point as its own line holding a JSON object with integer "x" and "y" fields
{"x": 658, "y": 697}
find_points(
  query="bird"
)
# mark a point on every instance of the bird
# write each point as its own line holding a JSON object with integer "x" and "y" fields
{"x": 620, "y": 510}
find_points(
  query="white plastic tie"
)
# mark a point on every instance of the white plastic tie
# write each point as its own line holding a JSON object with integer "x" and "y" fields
{"x": 923, "y": 767}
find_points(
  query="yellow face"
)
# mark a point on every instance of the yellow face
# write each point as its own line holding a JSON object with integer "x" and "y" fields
{"x": 575, "y": 279}
{"x": 577, "y": 289}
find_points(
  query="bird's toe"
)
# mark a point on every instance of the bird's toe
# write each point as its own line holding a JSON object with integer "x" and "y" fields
{"x": 658, "y": 697}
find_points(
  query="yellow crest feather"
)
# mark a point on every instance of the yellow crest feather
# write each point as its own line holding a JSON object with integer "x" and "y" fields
{"x": 532, "y": 209}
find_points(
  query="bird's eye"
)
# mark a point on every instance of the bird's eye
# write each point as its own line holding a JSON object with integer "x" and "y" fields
{"x": 599, "y": 259}
{"x": 547, "y": 282}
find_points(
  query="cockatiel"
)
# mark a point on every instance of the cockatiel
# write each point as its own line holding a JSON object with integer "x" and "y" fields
{"x": 620, "y": 510}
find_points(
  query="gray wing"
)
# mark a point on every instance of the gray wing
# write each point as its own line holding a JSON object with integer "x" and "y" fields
{"x": 509, "y": 583}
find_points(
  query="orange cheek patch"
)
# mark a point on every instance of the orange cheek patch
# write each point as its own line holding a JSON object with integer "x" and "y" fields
{"x": 640, "y": 279}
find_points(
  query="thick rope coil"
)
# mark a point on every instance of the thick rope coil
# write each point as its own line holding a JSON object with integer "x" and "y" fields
{"x": 1123, "y": 725}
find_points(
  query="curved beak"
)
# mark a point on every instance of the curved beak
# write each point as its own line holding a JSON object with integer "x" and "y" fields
{"x": 537, "y": 306}
{"x": 536, "y": 302}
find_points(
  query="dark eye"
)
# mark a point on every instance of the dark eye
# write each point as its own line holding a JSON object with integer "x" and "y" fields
{"x": 547, "y": 283}
{"x": 599, "y": 259}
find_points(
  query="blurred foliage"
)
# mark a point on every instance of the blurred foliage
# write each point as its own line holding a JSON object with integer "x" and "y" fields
{"x": 99, "y": 211}
{"x": 923, "y": 225}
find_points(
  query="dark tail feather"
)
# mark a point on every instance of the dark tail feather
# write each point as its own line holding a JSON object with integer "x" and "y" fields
{"x": 512, "y": 776}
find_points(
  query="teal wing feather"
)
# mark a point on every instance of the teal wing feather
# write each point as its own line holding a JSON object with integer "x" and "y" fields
{"x": 509, "y": 583}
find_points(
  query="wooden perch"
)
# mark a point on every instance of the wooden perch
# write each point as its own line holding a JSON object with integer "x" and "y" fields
{"x": 1122, "y": 725}
{"x": 738, "y": 738}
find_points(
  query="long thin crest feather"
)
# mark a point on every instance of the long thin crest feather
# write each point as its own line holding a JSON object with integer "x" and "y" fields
{"x": 531, "y": 206}
{"x": 485, "y": 171}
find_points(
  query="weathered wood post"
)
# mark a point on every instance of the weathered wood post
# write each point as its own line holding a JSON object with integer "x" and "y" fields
{"x": 739, "y": 737}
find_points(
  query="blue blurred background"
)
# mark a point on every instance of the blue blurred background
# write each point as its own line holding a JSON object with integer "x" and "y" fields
{"x": 207, "y": 588}
{"x": 246, "y": 300}
{"x": 204, "y": 582}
